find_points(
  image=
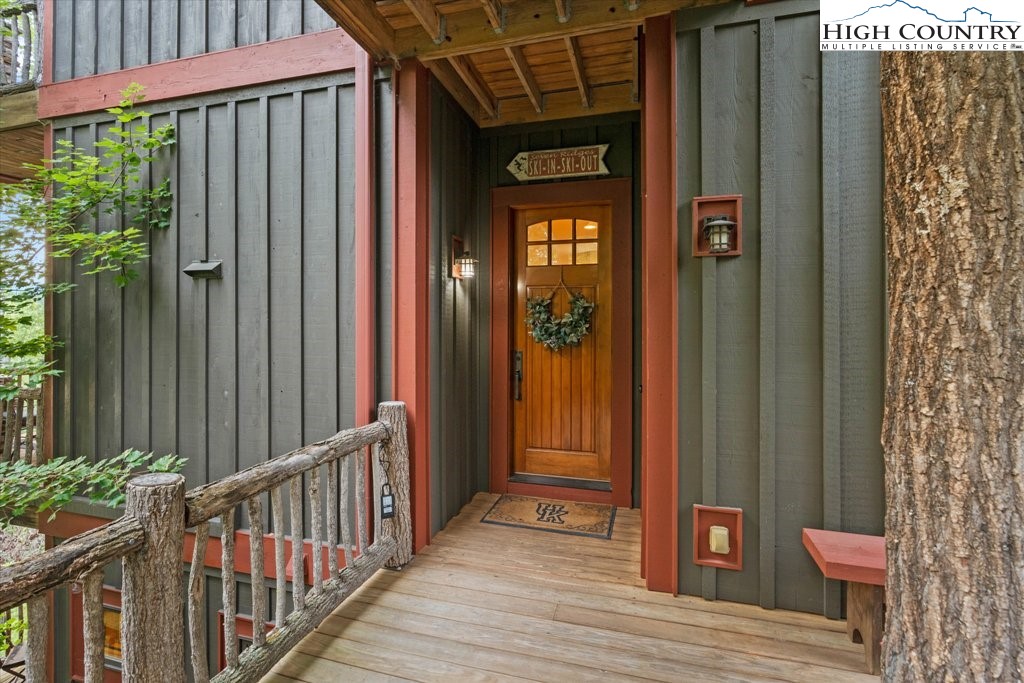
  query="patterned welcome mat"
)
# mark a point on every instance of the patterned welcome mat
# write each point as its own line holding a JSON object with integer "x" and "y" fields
{"x": 560, "y": 516}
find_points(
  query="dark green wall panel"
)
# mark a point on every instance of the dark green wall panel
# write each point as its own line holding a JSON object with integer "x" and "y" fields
{"x": 781, "y": 349}
{"x": 228, "y": 372}
{"x": 100, "y": 36}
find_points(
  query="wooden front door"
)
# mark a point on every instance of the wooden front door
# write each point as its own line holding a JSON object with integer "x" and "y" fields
{"x": 562, "y": 400}
{"x": 561, "y": 421}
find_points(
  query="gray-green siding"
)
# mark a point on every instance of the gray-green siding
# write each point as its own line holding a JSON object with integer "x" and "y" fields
{"x": 459, "y": 326}
{"x": 100, "y": 36}
{"x": 229, "y": 372}
{"x": 780, "y": 349}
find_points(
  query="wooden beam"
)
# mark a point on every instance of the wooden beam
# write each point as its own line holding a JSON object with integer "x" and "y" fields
{"x": 364, "y": 24}
{"x": 522, "y": 69}
{"x": 495, "y": 11}
{"x": 411, "y": 290}
{"x": 426, "y": 13}
{"x": 531, "y": 21}
{"x": 19, "y": 109}
{"x": 455, "y": 86}
{"x": 469, "y": 75}
{"x": 576, "y": 62}
{"x": 659, "y": 436}
{"x": 564, "y": 10}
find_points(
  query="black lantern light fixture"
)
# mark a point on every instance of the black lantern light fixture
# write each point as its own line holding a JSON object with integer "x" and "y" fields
{"x": 465, "y": 266}
{"x": 718, "y": 231}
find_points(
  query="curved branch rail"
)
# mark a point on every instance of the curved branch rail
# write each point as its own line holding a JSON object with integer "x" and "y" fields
{"x": 69, "y": 562}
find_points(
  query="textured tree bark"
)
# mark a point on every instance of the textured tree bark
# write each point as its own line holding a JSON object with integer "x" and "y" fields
{"x": 953, "y": 431}
{"x": 396, "y": 468}
{"x": 153, "y": 596}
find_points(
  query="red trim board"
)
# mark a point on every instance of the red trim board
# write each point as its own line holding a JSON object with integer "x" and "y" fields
{"x": 277, "y": 60}
{"x": 411, "y": 305}
{"x": 660, "y": 319}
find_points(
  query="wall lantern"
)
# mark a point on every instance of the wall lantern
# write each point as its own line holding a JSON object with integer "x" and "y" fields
{"x": 463, "y": 264}
{"x": 718, "y": 233}
{"x": 718, "y": 225}
{"x": 206, "y": 270}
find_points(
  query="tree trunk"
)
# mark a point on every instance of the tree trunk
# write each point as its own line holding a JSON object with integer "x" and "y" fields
{"x": 953, "y": 431}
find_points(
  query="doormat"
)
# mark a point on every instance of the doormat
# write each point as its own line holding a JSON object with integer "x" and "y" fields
{"x": 559, "y": 516}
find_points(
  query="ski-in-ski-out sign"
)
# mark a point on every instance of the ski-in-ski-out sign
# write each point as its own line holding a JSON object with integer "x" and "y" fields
{"x": 568, "y": 162}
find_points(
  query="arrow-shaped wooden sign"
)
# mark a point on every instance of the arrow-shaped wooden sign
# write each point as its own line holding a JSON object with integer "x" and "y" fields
{"x": 569, "y": 162}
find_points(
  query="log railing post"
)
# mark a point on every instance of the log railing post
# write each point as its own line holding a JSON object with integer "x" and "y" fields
{"x": 395, "y": 453}
{"x": 152, "y": 625}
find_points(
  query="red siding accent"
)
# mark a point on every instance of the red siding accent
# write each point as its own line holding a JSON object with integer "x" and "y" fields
{"x": 46, "y": 12}
{"x": 660, "y": 432}
{"x": 366, "y": 262}
{"x": 411, "y": 373}
{"x": 278, "y": 60}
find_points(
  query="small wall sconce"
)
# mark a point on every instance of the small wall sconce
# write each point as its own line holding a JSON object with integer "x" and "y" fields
{"x": 206, "y": 270}
{"x": 718, "y": 225}
{"x": 718, "y": 233}
{"x": 463, "y": 265}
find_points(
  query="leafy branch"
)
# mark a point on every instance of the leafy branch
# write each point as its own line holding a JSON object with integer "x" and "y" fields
{"x": 51, "y": 486}
{"x": 55, "y": 205}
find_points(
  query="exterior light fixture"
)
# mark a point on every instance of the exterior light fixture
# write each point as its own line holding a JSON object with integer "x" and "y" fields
{"x": 206, "y": 270}
{"x": 465, "y": 266}
{"x": 718, "y": 225}
{"x": 718, "y": 233}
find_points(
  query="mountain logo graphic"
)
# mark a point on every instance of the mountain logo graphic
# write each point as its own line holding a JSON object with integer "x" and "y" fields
{"x": 924, "y": 11}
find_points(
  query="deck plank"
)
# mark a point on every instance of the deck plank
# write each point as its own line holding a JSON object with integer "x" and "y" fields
{"x": 493, "y": 603}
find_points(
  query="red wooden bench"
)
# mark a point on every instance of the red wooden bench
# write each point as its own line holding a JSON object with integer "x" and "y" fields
{"x": 860, "y": 561}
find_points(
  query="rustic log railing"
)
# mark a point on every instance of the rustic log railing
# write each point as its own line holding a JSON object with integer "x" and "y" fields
{"x": 150, "y": 541}
{"x": 20, "y": 426}
{"x": 20, "y": 53}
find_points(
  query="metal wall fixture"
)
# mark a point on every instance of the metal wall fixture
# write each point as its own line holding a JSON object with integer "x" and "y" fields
{"x": 463, "y": 263}
{"x": 718, "y": 225}
{"x": 204, "y": 270}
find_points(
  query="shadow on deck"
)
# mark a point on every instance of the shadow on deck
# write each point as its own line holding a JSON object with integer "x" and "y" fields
{"x": 486, "y": 603}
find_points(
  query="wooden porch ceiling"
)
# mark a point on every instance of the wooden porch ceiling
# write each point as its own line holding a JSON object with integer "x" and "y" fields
{"x": 515, "y": 61}
{"x": 21, "y": 135}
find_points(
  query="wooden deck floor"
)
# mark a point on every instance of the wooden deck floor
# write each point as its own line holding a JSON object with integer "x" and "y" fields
{"x": 490, "y": 603}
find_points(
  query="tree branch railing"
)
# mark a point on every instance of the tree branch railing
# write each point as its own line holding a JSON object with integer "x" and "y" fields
{"x": 20, "y": 48}
{"x": 150, "y": 542}
{"x": 21, "y": 426}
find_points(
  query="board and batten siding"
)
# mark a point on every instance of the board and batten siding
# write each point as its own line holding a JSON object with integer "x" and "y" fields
{"x": 227, "y": 372}
{"x": 459, "y": 325}
{"x": 100, "y": 36}
{"x": 782, "y": 348}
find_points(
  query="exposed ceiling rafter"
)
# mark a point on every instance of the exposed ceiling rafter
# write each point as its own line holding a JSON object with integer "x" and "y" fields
{"x": 496, "y": 14}
{"x": 432, "y": 21}
{"x": 564, "y": 10}
{"x": 522, "y": 69}
{"x": 471, "y": 77}
{"x": 530, "y": 21}
{"x": 576, "y": 62}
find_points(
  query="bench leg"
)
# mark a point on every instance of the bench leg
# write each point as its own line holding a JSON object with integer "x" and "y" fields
{"x": 865, "y": 620}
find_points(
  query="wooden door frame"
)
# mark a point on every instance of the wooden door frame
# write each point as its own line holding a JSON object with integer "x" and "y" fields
{"x": 504, "y": 200}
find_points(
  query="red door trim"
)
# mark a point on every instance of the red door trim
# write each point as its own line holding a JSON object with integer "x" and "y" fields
{"x": 503, "y": 282}
{"x": 411, "y": 305}
{"x": 660, "y": 319}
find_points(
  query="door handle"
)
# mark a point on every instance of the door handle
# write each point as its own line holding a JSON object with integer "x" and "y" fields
{"x": 519, "y": 376}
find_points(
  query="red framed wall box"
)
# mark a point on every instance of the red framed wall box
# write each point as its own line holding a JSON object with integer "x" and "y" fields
{"x": 705, "y": 517}
{"x": 729, "y": 205}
